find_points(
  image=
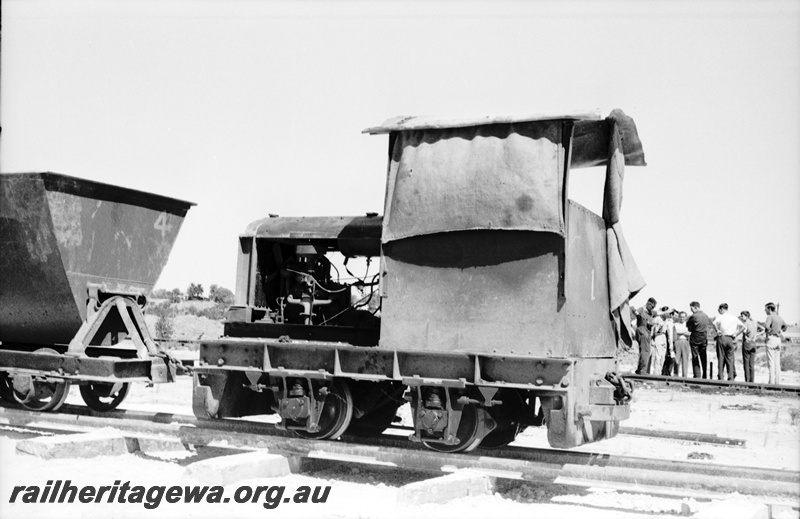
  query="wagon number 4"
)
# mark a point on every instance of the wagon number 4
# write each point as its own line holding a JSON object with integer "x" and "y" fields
{"x": 162, "y": 224}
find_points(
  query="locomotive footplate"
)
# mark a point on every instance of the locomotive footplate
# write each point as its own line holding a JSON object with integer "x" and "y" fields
{"x": 457, "y": 399}
{"x": 546, "y": 375}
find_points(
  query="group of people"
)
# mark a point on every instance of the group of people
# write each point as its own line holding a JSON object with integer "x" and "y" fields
{"x": 669, "y": 339}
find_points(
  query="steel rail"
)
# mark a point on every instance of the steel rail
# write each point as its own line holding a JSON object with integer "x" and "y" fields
{"x": 694, "y": 437}
{"x": 730, "y": 384}
{"x": 532, "y": 464}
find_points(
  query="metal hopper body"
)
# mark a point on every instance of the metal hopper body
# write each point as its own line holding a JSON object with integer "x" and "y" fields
{"x": 61, "y": 235}
{"x": 77, "y": 260}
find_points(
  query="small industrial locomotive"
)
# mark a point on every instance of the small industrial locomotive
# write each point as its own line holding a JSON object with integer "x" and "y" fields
{"x": 491, "y": 302}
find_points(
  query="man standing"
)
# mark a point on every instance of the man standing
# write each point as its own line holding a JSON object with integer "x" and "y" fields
{"x": 748, "y": 346}
{"x": 664, "y": 340}
{"x": 774, "y": 328}
{"x": 644, "y": 325}
{"x": 728, "y": 328}
{"x": 682, "y": 345}
{"x": 698, "y": 325}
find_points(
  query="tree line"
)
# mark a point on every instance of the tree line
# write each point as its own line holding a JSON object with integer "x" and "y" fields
{"x": 195, "y": 292}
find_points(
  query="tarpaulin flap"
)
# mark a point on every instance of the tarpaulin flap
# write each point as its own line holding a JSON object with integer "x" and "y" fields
{"x": 624, "y": 278}
{"x": 590, "y": 141}
{"x": 499, "y": 176}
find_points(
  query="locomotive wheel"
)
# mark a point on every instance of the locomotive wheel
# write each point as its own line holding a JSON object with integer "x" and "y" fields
{"x": 507, "y": 416}
{"x": 6, "y": 387}
{"x": 104, "y": 396}
{"x": 467, "y": 433}
{"x": 337, "y": 411}
{"x": 44, "y": 395}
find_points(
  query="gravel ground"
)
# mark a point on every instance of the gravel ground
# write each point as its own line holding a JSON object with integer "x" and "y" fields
{"x": 770, "y": 425}
{"x": 765, "y": 422}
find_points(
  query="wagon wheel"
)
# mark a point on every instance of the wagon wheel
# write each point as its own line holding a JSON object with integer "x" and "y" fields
{"x": 467, "y": 433}
{"x": 43, "y": 395}
{"x": 104, "y": 396}
{"x": 507, "y": 416}
{"x": 337, "y": 411}
{"x": 6, "y": 387}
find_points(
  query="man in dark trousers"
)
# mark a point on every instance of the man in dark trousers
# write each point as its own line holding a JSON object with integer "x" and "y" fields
{"x": 644, "y": 326}
{"x": 751, "y": 331}
{"x": 728, "y": 329}
{"x": 698, "y": 325}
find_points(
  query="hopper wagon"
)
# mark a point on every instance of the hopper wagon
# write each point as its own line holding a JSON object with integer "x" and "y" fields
{"x": 77, "y": 261}
{"x": 493, "y": 302}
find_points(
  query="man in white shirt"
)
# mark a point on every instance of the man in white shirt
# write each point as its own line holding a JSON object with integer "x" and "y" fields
{"x": 728, "y": 328}
{"x": 683, "y": 353}
{"x": 658, "y": 350}
{"x": 774, "y": 328}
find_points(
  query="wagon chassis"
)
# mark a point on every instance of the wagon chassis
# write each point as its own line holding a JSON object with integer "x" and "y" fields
{"x": 39, "y": 377}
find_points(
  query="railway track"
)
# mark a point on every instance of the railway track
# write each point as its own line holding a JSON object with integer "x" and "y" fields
{"x": 703, "y": 382}
{"x": 631, "y": 474}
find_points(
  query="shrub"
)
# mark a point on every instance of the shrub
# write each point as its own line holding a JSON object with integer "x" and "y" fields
{"x": 220, "y": 294}
{"x": 164, "y": 309}
{"x": 175, "y": 295}
{"x": 164, "y": 328}
{"x": 790, "y": 359}
{"x": 215, "y": 313}
{"x": 160, "y": 294}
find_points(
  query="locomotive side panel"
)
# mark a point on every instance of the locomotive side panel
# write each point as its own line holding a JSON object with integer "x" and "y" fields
{"x": 589, "y": 329}
{"x": 511, "y": 307}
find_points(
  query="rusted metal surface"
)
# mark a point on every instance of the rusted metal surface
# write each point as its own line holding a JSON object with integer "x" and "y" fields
{"x": 494, "y": 286}
{"x": 406, "y": 123}
{"x": 76, "y": 367}
{"x": 60, "y": 233}
{"x": 353, "y": 235}
{"x": 351, "y": 335}
{"x": 459, "y": 192}
{"x": 588, "y": 329}
{"x": 506, "y": 308}
{"x": 591, "y": 135}
{"x": 315, "y": 358}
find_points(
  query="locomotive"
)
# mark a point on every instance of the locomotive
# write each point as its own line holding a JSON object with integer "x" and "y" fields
{"x": 496, "y": 302}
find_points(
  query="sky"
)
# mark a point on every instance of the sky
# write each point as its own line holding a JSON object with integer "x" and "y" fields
{"x": 254, "y": 107}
